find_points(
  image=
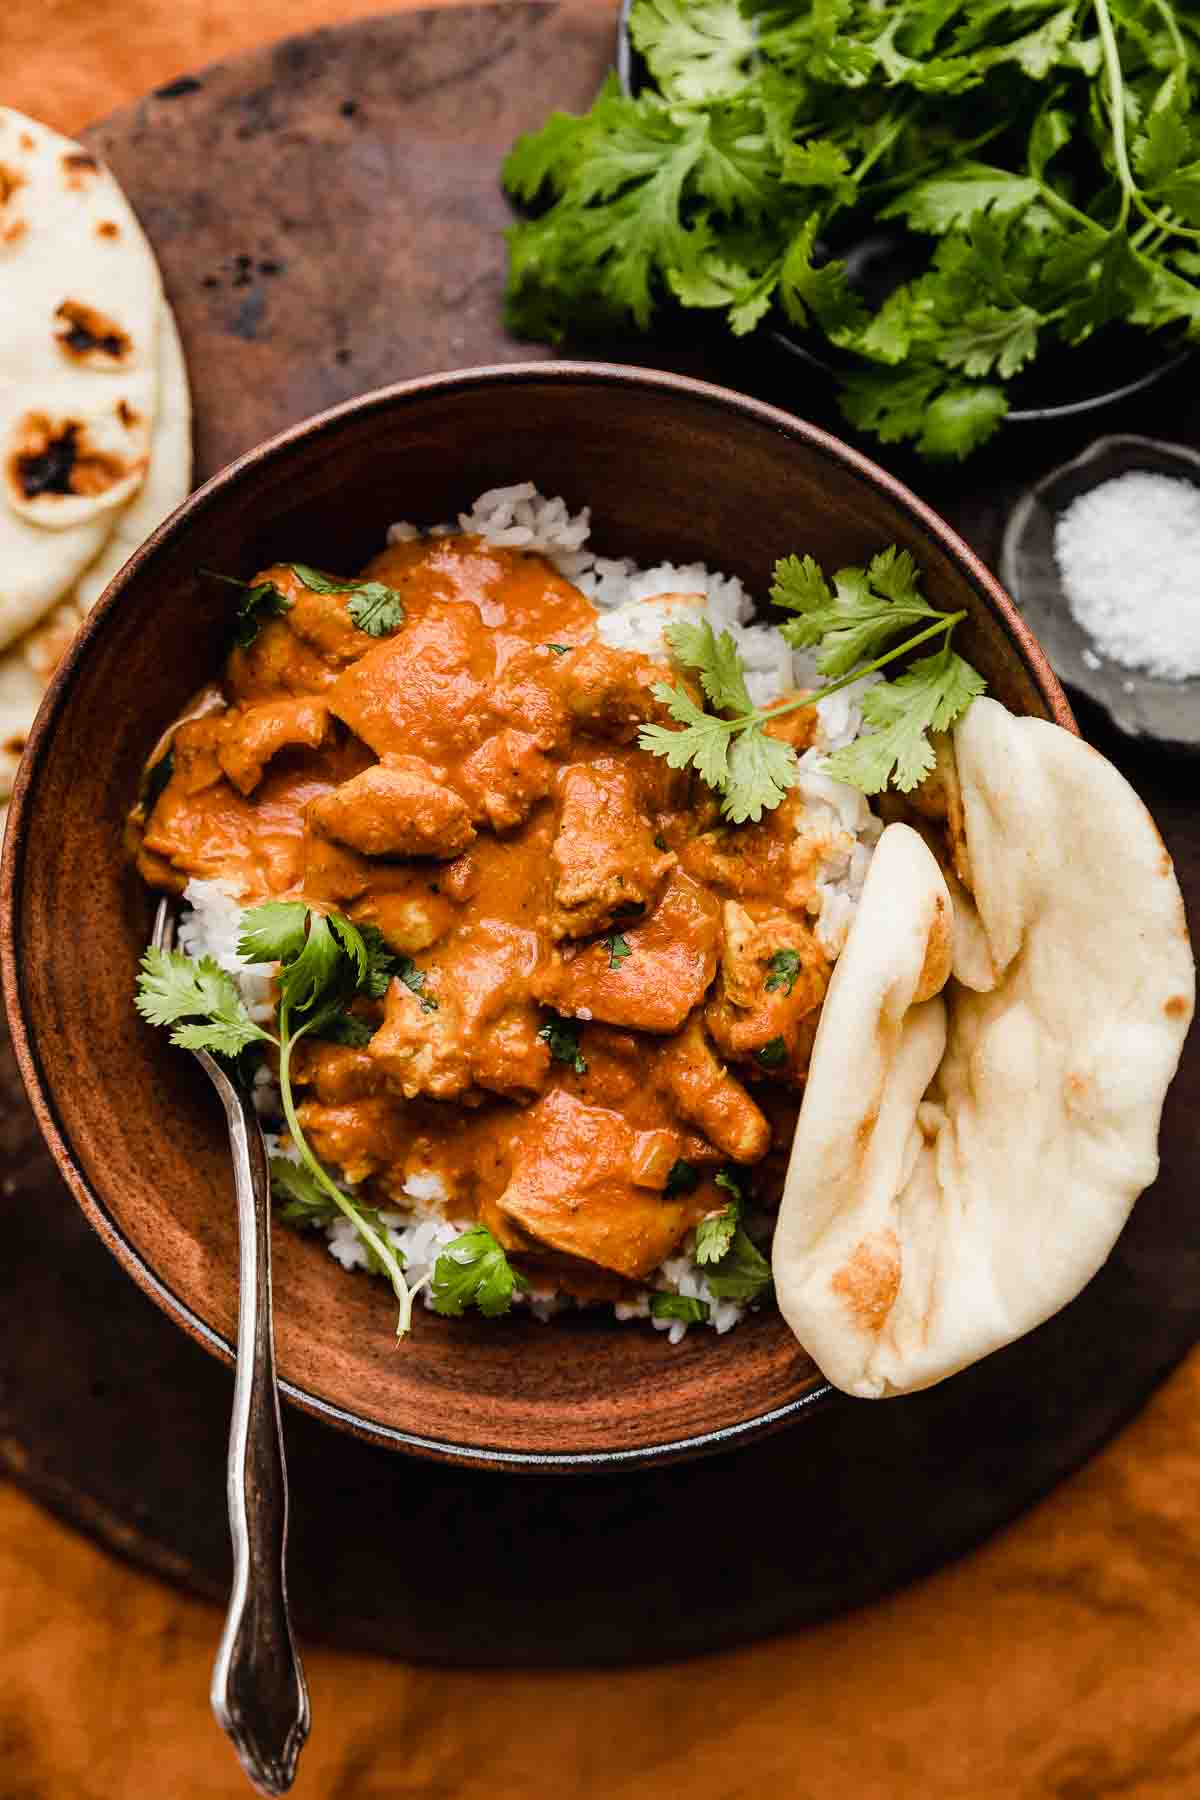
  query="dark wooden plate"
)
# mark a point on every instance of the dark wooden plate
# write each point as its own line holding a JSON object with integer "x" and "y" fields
{"x": 327, "y": 219}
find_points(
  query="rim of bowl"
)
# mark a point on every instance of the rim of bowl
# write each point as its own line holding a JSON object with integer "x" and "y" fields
{"x": 626, "y": 59}
{"x": 380, "y": 400}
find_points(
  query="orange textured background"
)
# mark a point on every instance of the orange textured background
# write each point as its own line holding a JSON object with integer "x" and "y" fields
{"x": 1063, "y": 1660}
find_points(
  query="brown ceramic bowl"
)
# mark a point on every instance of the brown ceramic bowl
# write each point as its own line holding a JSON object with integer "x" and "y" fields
{"x": 672, "y": 469}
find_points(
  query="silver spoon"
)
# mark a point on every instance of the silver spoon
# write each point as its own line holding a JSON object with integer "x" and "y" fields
{"x": 258, "y": 1691}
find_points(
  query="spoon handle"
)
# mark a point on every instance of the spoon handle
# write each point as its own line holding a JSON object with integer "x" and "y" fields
{"x": 258, "y": 1693}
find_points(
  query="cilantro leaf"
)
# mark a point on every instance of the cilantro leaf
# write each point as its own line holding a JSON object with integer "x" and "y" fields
{"x": 474, "y": 1271}
{"x": 742, "y": 1273}
{"x": 696, "y": 646}
{"x": 157, "y": 779}
{"x": 698, "y": 51}
{"x": 761, "y": 770}
{"x": 698, "y": 744}
{"x": 618, "y": 948}
{"x": 374, "y": 607}
{"x": 261, "y": 600}
{"x": 992, "y": 337}
{"x": 679, "y": 1306}
{"x": 199, "y": 999}
{"x": 413, "y": 978}
{"x": 714, "y": 1233}
{"x": 563, "y": 1040}
{"x": 865, "y": 612}
{"x": 784, "y": 967}
{"x": 273, "y": 931}
{"x": 347, "y": 1028}
{"x": 929, "y": 696}
{"x": 773, "y": 1054}
{"x": 305, "y": 1201}
{"x": 944, "y": 202}
{"x": 381, "y": 963}
{"x": 682, "y": 1178}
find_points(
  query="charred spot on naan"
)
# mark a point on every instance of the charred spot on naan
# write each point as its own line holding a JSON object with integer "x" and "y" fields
{"x": 80, "y": 169}
{"x": 12, "y": 224}
{"x": 10, "y": 181}
{"x": 869, "y": 1281}
{"x": 108, "y": 228}
{"x": 1177, "y": 1007}
{"x": 59, "y": 457}
{"x": 90, "y": 339}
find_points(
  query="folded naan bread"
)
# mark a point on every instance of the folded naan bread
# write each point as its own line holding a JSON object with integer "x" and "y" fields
{"x": 972, "y": 1142}
{"x": 82, "y": 301}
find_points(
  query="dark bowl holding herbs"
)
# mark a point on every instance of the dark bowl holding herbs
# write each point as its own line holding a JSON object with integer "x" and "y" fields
{"x": 672, "y": 470}
{"x": 957, "y": 215}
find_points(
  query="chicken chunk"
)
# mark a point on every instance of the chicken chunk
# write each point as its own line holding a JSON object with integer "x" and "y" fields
{"x": 470, "y": 1026}
{"x": 610, "y": 692}
{"x": 252, "y": 735}
{"x": 360, "y": 1137}
{"x": 505, "y": 779}
{"x": 390, "y": 811}
{"x": 300, "y": 651}
{"x": 335, "y": 1072}
{"x": 604, "y": 861}
{"x": 571, "y": 1189}
{"x": 424, "y": 690}
{"x": 707, "y": 1096}
{"x": 650, "y": 977}
{"x": 767, "y": 999}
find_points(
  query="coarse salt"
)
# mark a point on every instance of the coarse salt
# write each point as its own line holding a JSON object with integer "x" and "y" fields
{"x": 1128, "y": 554}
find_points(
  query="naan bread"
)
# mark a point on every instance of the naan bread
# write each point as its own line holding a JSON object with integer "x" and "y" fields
{"x": 78, "y": 347}
{"x": 169, "y": 477}
{"x": 27, "y": 665}
{"x": 965, "y": 1160}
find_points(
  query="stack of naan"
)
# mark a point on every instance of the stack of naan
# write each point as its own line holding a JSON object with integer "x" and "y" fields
{"x": 95, "y": 418}
{"x": 988, "y": 1076}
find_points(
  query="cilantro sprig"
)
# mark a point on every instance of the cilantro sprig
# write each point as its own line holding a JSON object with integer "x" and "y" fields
{"x": 854, "y": 626}
{"x": 474, "y": 1271}
{"x": 325, "y": 962}
{"x": 1043, "y": 157}
{"x": 375, "y": 608}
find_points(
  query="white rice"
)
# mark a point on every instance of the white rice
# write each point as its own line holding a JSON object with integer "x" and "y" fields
{"x": 836, "y": 819}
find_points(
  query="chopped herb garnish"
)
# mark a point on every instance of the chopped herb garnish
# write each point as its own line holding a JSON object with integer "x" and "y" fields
{"x": 618, "y": 949}
{"x": 474, "y": 1271}
{"x": 559, "y": 649}
{"x": 772, "y": 1053}
{"x": 862, "y": 615}
{"x": 350, "y": 1029}
{"x": 375, "y": 608}
{"x": 660, "y": 842}
{"x": 261, "y": 601}
{"x": 682, "y": 1178}
{"x": 157, "y": 779}
{"x": 678, "y": 1306}
{"x": 742, "y": 1273}
{"x": 725, "y": 1178}
{"x": 784, "y": 971}
{"x": 714, "y": 1234}
{"x": 414, "y": 980}
{"x": 560, "y": 1034}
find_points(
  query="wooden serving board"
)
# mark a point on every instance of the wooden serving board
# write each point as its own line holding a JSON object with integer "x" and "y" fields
{"x": 327, "y": 218}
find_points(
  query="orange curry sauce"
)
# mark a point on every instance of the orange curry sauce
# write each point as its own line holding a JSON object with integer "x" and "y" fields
{"x": 471, "y": 785}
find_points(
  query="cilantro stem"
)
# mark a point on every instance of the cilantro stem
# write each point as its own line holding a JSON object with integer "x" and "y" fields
{"x": 1131, "y": 194}
{"x": 381, "y": 1248}
{"x": 945, "y": 624}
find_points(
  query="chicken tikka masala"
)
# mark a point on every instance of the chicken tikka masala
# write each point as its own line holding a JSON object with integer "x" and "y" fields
{"x": 606, "y": 997}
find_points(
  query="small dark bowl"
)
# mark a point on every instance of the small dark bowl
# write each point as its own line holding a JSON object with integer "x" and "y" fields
{"x": 1141, "y": 705}
{"x": 672, "y": 469}
{"x": 1063, "y": 382}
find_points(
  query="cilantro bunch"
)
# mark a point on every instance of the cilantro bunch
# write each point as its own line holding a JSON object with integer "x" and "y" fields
{"x": 1044, "y": 154}
{"x": 325, "y": 963}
